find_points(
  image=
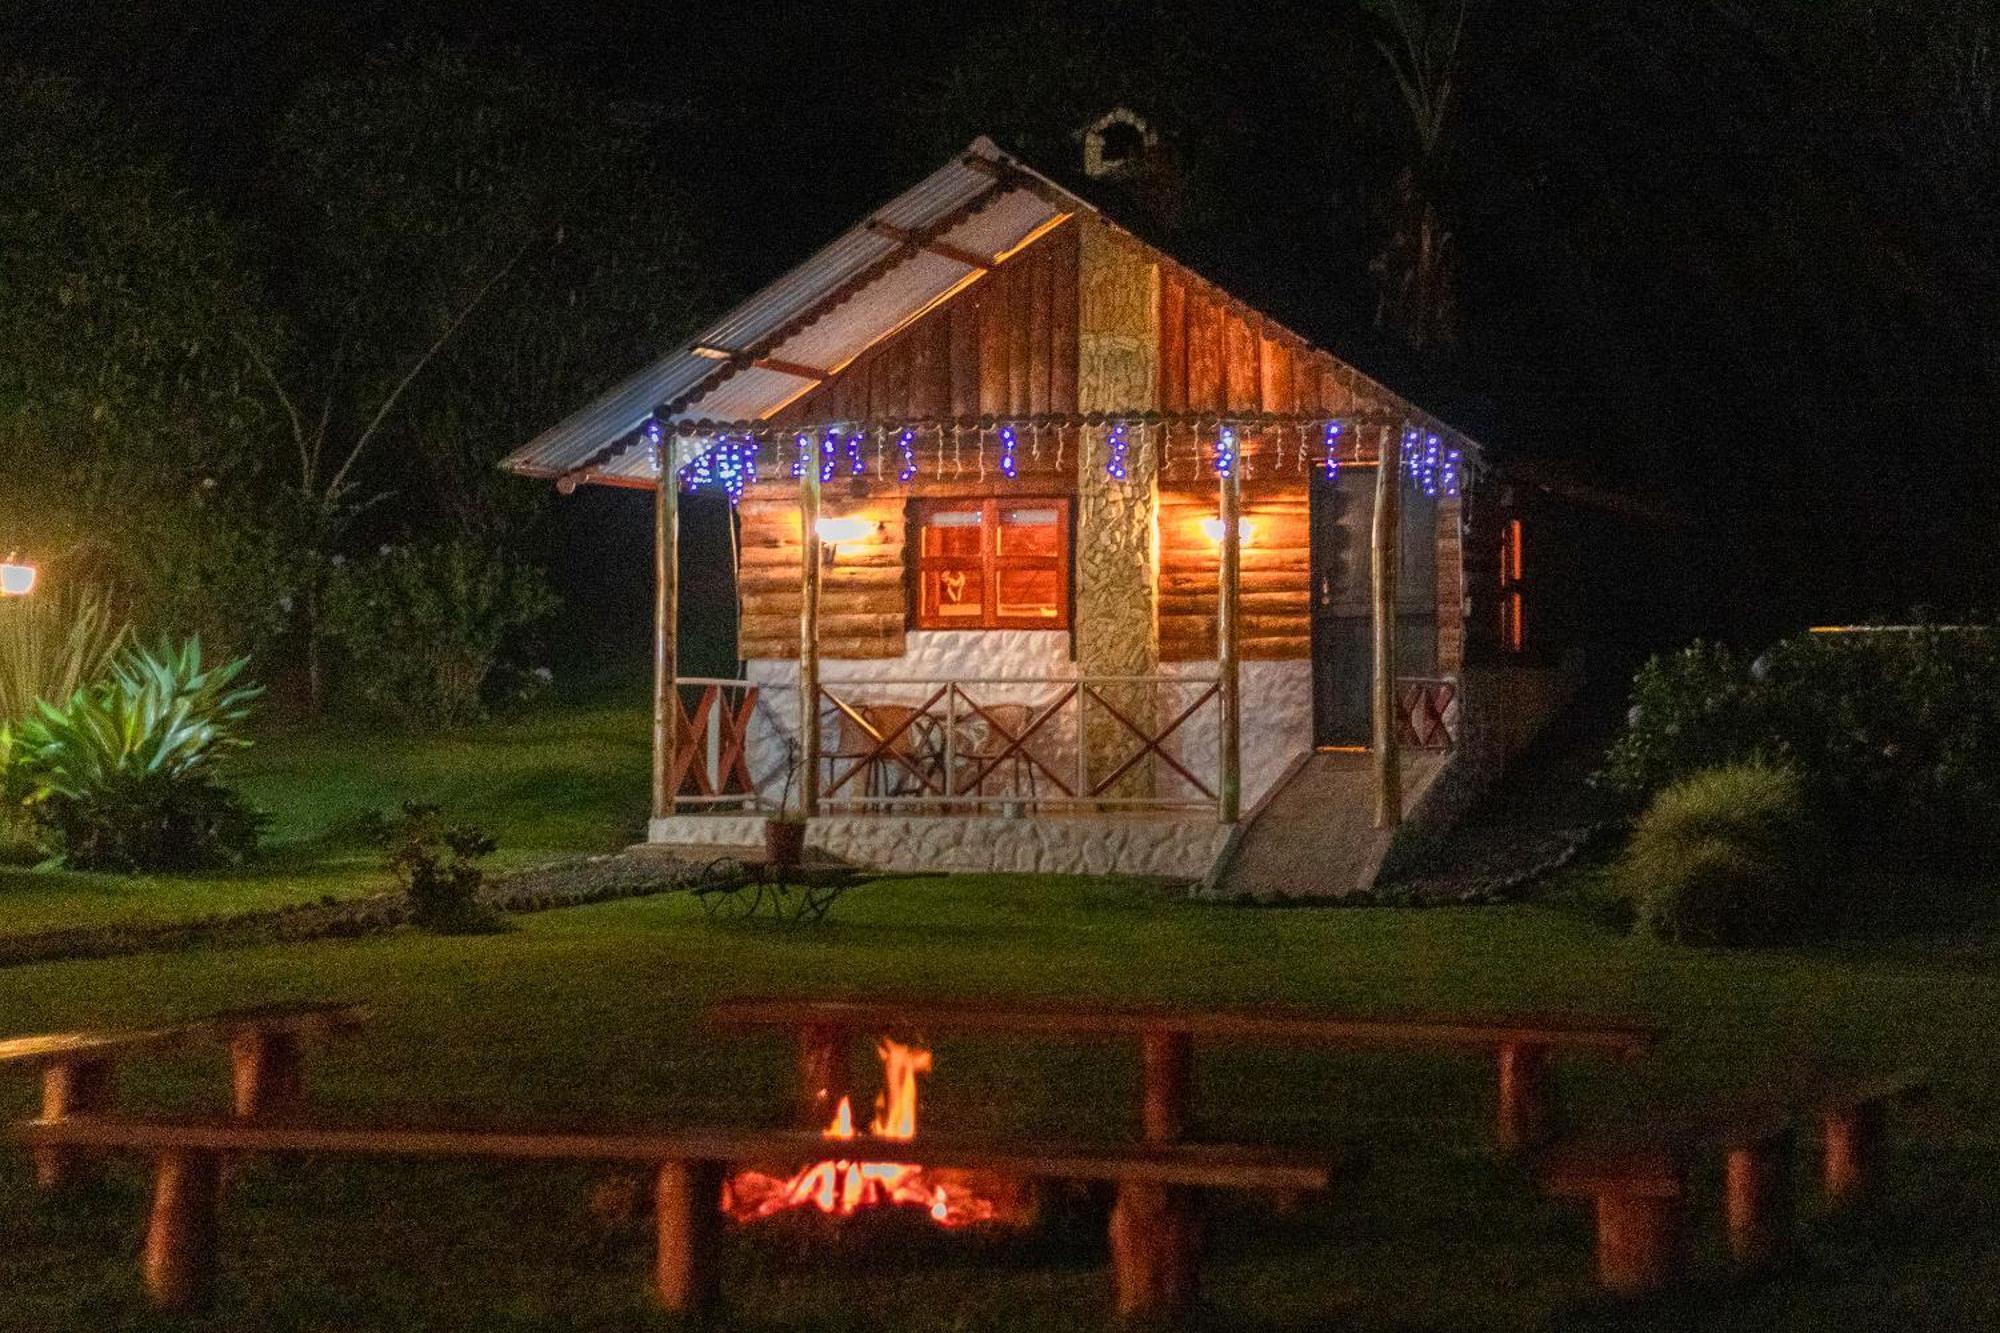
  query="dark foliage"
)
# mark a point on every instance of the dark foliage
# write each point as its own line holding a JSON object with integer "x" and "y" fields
{"x": 437, "y": 865}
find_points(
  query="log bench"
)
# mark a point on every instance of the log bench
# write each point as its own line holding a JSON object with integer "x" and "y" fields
{"x": 1153, "y": 1228}
{"x": 1639, "y": 1182}
{"x": 266, "y": 1055}
{"x": 1525, "y": 1115}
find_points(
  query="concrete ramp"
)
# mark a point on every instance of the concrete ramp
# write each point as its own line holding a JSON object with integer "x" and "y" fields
{"x": 1314, "y": 834}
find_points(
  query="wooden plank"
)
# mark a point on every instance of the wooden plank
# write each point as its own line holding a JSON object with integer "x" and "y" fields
{"x": 1200, "y": 1164}
{"x": 1173, "y": 344}
{"x": 1040, "y": 337}
{"x": 1061, "y": 1018}
{"x": 1020, "y": 273}
{"x": 1274, "y": 364}
{"x": 993, "y": 344}
{"x": 964, "y": 318}
{"x": 1239, "y": 359}
{"x": 1063, "y": 244}
{"x": 1205, "y": 380}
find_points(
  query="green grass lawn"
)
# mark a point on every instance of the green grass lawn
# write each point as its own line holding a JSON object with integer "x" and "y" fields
{"x": 588, "y": 1014}
{"x": 567, "y": 779}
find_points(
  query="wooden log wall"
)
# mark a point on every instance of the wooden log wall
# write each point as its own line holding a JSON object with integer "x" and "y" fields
{"x": 862, "y": 593}
{"x": 1276, "y": 605}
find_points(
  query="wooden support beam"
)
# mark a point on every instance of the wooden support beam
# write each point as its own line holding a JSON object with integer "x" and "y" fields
{"x": 666, "y": 616}
{"x": 182, "y": 1231}
{"x": 1642, "y": 1241}
{"x": 919, "y": 241}
{"x": 686, "y": 1205}
{"x": 71, "y": 1088}
{"x": 822, "y": 1074}
{"x": 267, "y": 1071}
{"x": 1525, "y": 1117}
{"x": 1854, "y": 1136}
{"x": 1758, "y": 1199}
{"x": 1154, "y": 1241}
{"x": 793, "y": 368}
{"x": 1167, "y": 1084}
{"x": 1228, "y": 628}
{"x": 1385, "y": 548}
{"x": 809, "y": 579}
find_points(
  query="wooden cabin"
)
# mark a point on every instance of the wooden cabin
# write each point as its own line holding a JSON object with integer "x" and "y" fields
{"x": 1065, "y": 551}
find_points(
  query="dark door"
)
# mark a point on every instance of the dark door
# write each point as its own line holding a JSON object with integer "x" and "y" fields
{"x": 1342, "y": 512}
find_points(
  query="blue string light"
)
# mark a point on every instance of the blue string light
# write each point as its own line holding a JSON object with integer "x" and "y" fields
{"x": 1008, "y": 466}
{"x": 828, "y": 458}
{"x": 907, "y": 444}
{"x": 1116, "y": 443}
{"x": 804, "y": 447}
{"x": 1225, "y": 453}
{"x": 730, "y": 466}
{"x": 855, "y": 467}
{"x": 1332, "y": 463}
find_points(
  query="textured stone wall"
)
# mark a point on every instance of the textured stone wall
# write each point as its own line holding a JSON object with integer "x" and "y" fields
{"x": 1111, "y": 844}
{"x": 1118, "y": 369}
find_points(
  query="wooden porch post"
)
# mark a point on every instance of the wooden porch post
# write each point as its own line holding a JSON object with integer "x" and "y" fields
{"x": 1229, "y": 580}
{"x": 1386, "y": 548}
{"x": 666, "y": 614}
{"x": 809, "y": 567}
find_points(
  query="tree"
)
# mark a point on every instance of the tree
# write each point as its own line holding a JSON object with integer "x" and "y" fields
{"x": 130, "y": 426}
{"x": 463, "y": 250}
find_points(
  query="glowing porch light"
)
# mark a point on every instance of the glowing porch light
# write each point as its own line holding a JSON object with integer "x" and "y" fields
{"x": 16, "y": 579}
{"x": 1211, "y": 528}
{"x": 836, "y": 531}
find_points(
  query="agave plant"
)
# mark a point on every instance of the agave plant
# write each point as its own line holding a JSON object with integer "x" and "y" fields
{"x": 123, "y": 775}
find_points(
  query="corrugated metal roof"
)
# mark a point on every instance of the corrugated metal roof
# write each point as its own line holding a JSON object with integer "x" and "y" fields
{"x": 823, "y": 338}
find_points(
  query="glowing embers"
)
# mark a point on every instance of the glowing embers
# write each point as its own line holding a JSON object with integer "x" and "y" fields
{"x": 842, "y": 1187}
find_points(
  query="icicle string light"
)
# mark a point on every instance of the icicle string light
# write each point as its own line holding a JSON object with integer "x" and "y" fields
{"x": 1332, "y": 461}
{"x": 1226, "y": 455}
{"x": 906, "y": 444}
{"x": 730, "y": 466}
{"x": 1115, "y": 445}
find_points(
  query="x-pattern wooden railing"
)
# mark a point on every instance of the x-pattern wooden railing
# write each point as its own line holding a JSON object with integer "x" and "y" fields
{"x": 947, "y": 741}
{"x": 1151, "y": 742}
{"x": 713, "y": 751}
{"x": 1423, "y": 714}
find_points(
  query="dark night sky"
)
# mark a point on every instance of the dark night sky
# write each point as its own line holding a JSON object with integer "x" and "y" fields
{"x": 1715, "y": 263}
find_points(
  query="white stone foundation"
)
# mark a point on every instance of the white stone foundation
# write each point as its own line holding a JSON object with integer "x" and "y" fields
{"x": 1174, "y": 847}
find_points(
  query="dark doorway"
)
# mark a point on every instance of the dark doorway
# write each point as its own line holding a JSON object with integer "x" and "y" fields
{"x": 1342, "y": 513}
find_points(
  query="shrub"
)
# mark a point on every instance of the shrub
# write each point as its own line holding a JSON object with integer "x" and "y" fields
{"x": 51, "y": 646}
{"x": 1896, "y": 733}
{"x": 1725, "y": 857}
{"x": 437, "y": 865}
{"x": 424, "y": 627}
{"x": 124, "y": 774}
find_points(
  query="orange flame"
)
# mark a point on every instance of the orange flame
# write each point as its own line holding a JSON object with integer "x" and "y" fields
{"x": 840, "y": 1187}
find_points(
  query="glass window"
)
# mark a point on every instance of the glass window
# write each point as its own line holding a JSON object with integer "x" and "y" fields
{"x": 988, "y": 564}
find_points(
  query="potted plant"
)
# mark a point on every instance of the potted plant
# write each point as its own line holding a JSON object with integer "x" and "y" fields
{"x": 785, "y": 831}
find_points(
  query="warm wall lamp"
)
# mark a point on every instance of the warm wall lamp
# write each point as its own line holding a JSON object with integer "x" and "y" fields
{"x": 16, "y": 579}
{"x": 834, "y": 532}
{"x": 1212, "y": 529}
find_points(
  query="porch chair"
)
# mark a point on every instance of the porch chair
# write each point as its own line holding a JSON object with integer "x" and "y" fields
{"x": 920, "y": 744}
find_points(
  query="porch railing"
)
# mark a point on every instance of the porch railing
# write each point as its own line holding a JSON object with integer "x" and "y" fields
{"x": 1018, "y": 742}
{"x": 711, "y": 765}
{"x": 1427, "y": 712}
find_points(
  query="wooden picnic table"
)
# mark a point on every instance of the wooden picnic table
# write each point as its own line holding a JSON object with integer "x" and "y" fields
{"x": 1525, "y": 1113}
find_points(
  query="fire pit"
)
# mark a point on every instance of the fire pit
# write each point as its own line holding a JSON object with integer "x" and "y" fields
{"x": 852, "y": 1182}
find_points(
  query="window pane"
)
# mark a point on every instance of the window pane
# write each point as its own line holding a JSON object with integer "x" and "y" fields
{"x": 953, "y": 595}
{"x": 1029, "y": 594}
{"x": 953, "y": 532}
{"x": 1028, "y": 532}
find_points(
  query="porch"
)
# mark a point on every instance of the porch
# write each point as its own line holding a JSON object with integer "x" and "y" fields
{"x": 1042, "y": 773}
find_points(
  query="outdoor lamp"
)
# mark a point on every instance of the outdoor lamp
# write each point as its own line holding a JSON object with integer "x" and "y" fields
{"x": 1212, "y": 529}
{"x": 833, "y": 531}
{"x": 16, "y": 579}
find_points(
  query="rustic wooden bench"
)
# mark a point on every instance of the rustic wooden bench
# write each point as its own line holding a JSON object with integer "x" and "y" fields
{"x": 1639, "y": 1183}
{"x": 1153, "y": 1229}
{"x": 266, "y": 1053}
{"x": 1526, "y": 1103}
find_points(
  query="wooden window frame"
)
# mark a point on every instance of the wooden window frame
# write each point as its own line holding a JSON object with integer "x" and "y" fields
{"x": 1513, "y": 569}
{"x": 989, "y": 562}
